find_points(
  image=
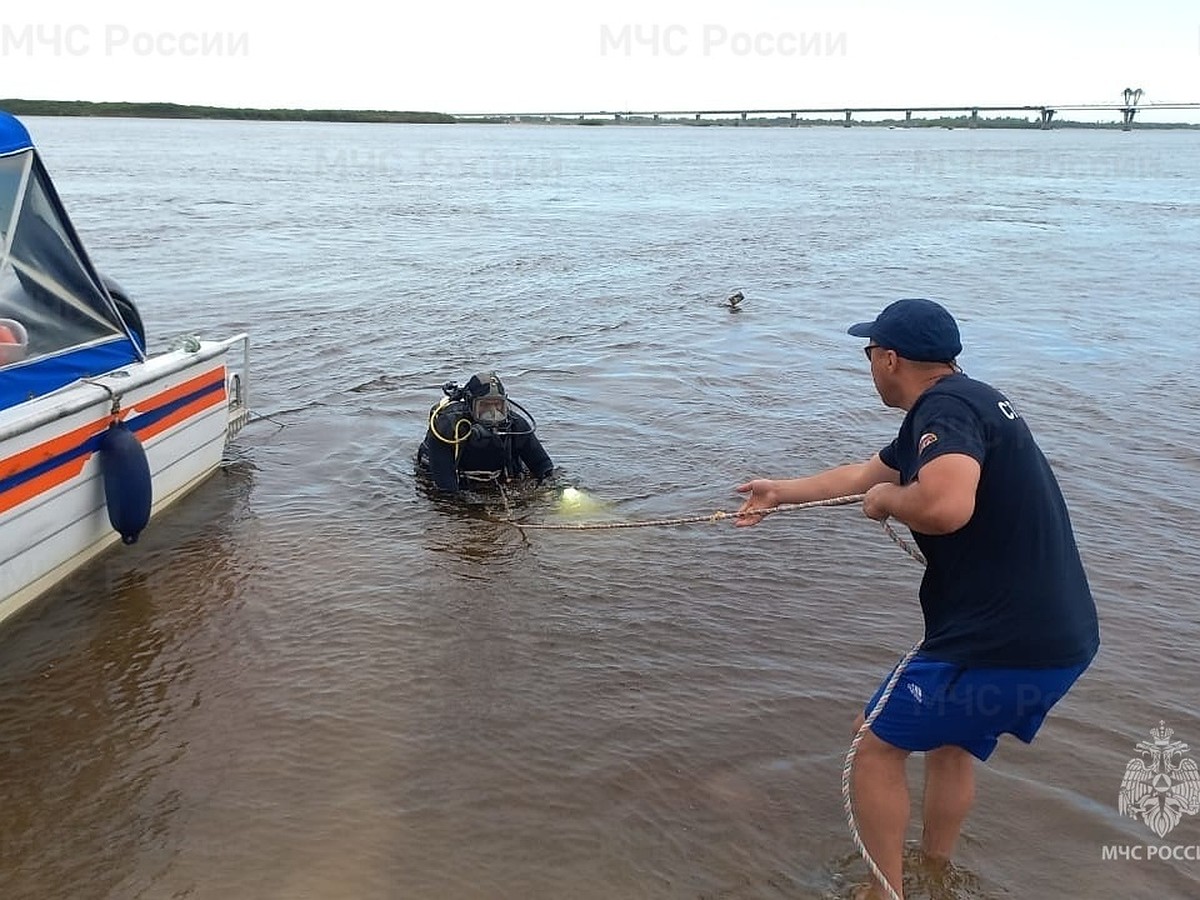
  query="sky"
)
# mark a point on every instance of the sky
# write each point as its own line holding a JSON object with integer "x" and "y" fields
{"x": 465, "y": 56}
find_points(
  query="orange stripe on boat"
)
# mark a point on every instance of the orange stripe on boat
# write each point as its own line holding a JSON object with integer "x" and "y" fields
{"x": 65, "y": 443}
{"x": 27, "y": 490}
{"x": 184, "y": 412}
{"x": 208, "y": 379}
{"x": 27, "y": 459}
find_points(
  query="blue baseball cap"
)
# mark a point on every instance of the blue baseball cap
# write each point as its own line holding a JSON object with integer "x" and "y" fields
{"x": 916, "y": 329}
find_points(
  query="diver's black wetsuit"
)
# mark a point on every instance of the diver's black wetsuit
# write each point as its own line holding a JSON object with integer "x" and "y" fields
{"x": 509, "y": 449}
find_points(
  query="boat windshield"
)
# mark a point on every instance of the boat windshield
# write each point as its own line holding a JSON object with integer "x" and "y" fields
{"x": 50, "y": 298}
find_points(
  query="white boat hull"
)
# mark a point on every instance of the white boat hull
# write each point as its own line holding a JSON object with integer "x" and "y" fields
{"x": 182, "y": 406}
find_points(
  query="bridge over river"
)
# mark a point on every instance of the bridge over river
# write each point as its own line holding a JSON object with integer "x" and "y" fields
{"x": 1044, "y": 112}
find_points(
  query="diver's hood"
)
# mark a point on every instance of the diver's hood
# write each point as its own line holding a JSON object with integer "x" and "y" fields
{"x": 489, "y": 403}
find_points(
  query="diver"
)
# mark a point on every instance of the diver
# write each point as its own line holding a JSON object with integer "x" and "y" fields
{"x": 475, "y": 438}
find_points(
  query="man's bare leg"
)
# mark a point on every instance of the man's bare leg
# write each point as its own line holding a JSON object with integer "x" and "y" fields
{"x": 949, "y": 793}
{"x": 879, "y": 790}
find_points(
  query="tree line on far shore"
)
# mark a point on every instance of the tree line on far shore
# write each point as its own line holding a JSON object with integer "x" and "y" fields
{"x": 181, "y": 111}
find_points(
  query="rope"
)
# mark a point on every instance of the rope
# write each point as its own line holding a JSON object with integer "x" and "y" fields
{"x": 848, "y": 765}
{"x": 718, "y": 516}
{"x": 903, "y": 544}
{"x": 504, "y": 497}
{"x": 115, "y": 411}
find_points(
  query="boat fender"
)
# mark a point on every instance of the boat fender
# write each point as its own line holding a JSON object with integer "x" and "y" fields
{"x": 127, "y": 487}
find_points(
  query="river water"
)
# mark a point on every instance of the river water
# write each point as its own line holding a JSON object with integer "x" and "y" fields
{"x": 311, "y": 680}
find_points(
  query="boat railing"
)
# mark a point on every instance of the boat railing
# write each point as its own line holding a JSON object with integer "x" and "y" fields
{"x": 237, "y": 385}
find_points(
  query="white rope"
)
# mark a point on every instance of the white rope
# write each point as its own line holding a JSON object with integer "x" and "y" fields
{"x": 848, "y": 766}
{"x": 718, "y": 516}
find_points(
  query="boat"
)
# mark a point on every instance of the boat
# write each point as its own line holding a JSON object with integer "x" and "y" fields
{"x": 97, "y": 435}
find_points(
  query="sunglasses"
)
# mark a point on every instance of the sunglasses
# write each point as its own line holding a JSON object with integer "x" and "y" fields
{"x": 867, "y": 350}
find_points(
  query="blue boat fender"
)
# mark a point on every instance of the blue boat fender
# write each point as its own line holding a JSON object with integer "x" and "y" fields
{"x": 127, "y": 487}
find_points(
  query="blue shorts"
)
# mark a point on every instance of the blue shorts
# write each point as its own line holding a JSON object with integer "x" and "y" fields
{"x": 935, "y": 704}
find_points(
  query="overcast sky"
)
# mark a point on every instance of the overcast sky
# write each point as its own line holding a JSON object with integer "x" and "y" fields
{"x": 577, "y": 55}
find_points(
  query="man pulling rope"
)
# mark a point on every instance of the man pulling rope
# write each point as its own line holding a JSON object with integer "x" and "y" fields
{"x": 1010, "y": 623}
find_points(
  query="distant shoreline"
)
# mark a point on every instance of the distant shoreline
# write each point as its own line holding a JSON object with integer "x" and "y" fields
{"x": 86, "y": 108}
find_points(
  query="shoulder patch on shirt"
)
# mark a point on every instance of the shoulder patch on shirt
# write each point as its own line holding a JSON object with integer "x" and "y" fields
{"x": 927, "y": 439}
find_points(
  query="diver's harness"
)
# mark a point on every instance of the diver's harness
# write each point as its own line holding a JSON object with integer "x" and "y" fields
{"x": 460, "y": 395}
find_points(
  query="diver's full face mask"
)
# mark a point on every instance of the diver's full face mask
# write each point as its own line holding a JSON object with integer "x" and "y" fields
{"x": 490, "y": 410}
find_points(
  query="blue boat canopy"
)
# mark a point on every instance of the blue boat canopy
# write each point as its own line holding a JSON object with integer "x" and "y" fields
{"x": 59, "y": 321}
{"x": 13, "y": 136}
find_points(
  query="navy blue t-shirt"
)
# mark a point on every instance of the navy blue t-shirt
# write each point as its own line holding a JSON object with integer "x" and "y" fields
{"x": 1008, "y": 589}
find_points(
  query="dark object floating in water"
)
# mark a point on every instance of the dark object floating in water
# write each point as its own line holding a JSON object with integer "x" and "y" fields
{"x": 734, "y": 300}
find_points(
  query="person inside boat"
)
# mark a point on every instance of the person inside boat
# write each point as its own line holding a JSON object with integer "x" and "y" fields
{"x": 476, "y": 438}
